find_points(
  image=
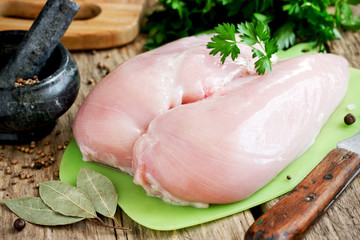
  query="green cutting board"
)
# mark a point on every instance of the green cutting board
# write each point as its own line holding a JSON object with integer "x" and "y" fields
{"x": 155, "y": 214}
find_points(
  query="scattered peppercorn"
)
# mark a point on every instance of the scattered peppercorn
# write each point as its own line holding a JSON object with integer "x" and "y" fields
{"x": 91, "y": 81}
{"x": 41, "y": 158}
{"x": 16, "y": 174}
{"x": 288, "y": 177}
{"x": 19, "y": 224}
{"x": 349, "y": 119}
{"x": 103, "y": 66}
{"x": 37, "y": 165}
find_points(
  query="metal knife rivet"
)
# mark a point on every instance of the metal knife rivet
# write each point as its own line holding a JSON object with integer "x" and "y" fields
{"x": 328, "y": 176}
{"x": 310, "y": 197}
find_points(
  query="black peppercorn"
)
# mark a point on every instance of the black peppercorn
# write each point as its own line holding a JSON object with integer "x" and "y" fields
{"x": 349, "y": 119}
{"x": 37, "y": 165}
{"x": 19, "y": 224}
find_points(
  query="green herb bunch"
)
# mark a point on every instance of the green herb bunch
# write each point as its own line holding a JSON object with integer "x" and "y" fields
{"x": 306, "y": 20}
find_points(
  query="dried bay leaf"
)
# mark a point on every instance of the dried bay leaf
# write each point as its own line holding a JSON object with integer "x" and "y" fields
{"x": 66, "y": 199}
{"x": 100, "y": 190}
{"x": 34, "y": 210}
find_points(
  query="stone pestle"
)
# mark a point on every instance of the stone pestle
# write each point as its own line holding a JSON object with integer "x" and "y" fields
{"x": 39, "y": 42}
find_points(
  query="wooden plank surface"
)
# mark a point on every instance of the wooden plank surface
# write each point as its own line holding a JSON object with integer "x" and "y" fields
{"x": 342, "y": 221}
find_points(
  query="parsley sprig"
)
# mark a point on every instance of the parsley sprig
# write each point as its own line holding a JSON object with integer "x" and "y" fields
{"x": 256, "y": 34}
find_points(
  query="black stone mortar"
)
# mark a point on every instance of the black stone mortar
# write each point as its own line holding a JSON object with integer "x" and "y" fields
{"x": 29, "y": 113}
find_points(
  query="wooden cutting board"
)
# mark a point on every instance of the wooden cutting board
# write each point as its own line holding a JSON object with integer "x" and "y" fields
{"x": 99, "y": 24}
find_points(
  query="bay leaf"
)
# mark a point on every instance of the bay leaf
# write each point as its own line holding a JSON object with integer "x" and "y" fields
{"x": 100, "y": 190}
{"x": 34, "y": 210}
{"x": 66, "y": 199}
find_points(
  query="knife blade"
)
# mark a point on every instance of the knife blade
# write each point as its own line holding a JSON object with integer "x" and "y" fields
{"x": 297, "y": 212}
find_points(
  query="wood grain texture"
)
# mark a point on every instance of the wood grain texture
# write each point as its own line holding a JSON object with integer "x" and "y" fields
{"x": 340, "y": 221}
{"x": 300, "y": 209}
{"x": 99, "y": 24}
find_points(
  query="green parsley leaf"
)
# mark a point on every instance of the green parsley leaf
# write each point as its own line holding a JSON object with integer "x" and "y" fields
{"x": 271, "y": 47}
{"x": 263, "y": 65}
{"x": 224, "y": 42}
{"x": 257, "y": 53}
{"x": 226, "y": 31}
{"x": 251, "y": 33}
{"x": 348, "y": 14}
{"x": 285, "y": 36}
{"x": 247, "y": 29}
{"x": 353, "y": 24}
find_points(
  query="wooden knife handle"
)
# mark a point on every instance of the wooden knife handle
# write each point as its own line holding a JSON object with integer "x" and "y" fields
{"x": 299, "y": 210}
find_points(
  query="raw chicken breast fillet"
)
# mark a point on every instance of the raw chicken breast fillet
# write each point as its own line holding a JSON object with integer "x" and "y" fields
{"x": 119, "y": 109}
{"x": 224, "y": 148}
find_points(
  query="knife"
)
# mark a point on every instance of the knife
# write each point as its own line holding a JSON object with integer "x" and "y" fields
{"x": 295, "y": 214}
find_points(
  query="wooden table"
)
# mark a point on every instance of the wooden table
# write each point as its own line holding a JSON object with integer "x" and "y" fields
{"x": 342, "y": 221}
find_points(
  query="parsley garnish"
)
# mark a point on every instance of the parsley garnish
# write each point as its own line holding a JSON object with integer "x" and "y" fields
{"x": 251, "y": 33}
{"x": 289, "y": 20}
